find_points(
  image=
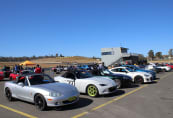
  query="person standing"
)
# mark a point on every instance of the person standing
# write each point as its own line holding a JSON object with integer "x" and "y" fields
{"x": 38, "y": 69}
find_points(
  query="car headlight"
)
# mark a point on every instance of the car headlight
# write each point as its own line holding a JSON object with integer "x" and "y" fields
{"x": 54, "y": 94}
{"x": 146, "y": 75}
{"x": 102, "y": 84}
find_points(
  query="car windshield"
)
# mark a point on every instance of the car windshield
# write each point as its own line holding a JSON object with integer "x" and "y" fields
{"x": 40, "y": 79}
{"x": 83, "y": 74}
{"x": 26, "y": 72}
{"x": 130, "y": 70}
{"x": 107, "y": 72}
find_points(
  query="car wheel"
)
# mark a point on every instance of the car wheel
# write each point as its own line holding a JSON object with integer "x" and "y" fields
{"x": 139, "y": 80}
{"x": 40, "y": 102}
{"x": 92, "y": 91}
{"x": 118, "y": 82}
{"x": 8, "y": 94}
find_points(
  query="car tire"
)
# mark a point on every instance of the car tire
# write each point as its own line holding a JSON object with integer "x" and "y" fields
{"x": 40, "y": 102}
{"x": 8, "y": 94}
{"x": 118, "y": 82}
{"x": 139, "y": 80}
{"x": 92, "y": 91}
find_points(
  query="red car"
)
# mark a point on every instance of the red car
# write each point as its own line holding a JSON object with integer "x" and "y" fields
{"x": 5, "y": 73}
{"x": 1, "y": 76}
{"x": 170, "y": 65}
{"x": 14, "y": 75}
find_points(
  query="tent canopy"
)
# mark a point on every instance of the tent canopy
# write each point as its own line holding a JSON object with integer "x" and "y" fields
{"x": 26, "y": 63}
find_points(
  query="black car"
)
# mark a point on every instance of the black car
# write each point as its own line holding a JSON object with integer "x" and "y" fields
{"x": 121, "y": 80}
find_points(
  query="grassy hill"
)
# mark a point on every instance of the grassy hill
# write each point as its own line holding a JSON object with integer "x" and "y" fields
{"x": 51, "y": 62}
{"x": 73, "y": 59}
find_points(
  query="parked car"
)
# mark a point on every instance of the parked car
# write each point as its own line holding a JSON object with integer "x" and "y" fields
{"x": 164, "y": 68}
{"x": 23, "y": 72}
{"x": 5, "y": 72}
{"x": 86, "y": 83}
{"x": 41, "y": 90}
{"x": 153, "y": 68}
{"x": 84, "y": 67}
{"x": 138, "y": 77}
{"x": 137, "y": 69}
{"x": 121, "y": 80}
{"x": 1, "y": 76}
{"x": 170, "y": 65}
{"x": 57, "y": 69}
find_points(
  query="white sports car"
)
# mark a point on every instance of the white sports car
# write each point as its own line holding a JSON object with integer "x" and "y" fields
{"x": 165, "y": 68}
{"x": 86, "y": 83}
{"x": 138, "y": 77}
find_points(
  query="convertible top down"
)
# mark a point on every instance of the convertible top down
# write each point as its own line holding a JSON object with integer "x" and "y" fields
{"x": 41, "y": 90}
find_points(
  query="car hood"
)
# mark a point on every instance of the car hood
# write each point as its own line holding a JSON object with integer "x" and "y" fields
{"x": 142, "y": 70}
{"x": 57, "y": 87}
{"x": 142, "y": 73}
{"x": 102, "y": 80}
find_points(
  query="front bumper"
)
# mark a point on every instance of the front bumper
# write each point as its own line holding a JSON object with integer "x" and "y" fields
{"x": 148, "y": 80}
{"x": 61, "y": 101}
{"x": 108, "y": 90}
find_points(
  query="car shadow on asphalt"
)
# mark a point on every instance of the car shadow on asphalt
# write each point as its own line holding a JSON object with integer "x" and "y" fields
{"x": 83, "y": 102}
{"x": 157, "y": 78}
{"x": 132, "y": 86}
{"x": 117, "y": 93}
{"x": 153, "y": 82}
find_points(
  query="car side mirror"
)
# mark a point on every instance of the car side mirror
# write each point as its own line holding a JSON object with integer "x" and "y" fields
{"x": 21, "y": 84}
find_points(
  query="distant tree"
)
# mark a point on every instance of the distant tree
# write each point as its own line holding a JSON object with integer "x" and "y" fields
{"x": 170, "y": 53}
{"x": 33, "y": 57}
{"x": 141, "y": 57}
{"x": 56, "y": 54}
{"x": 61, "y": 55}
{"x": 151, "y": 54}
{"x": 51, "y": 56}
{"x": 94, "y": 57}
{"x": 159, "y": 55}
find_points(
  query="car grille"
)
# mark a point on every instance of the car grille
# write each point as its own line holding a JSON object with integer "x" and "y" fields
{"x": 112, "y": 89}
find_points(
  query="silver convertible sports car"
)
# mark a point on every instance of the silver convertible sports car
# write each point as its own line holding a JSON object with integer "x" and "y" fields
{"x": 41, "y": 90}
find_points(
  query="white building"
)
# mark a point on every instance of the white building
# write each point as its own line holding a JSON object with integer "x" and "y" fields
{"x": 118, "y": 55}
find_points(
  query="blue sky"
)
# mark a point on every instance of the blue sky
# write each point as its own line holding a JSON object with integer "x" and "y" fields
{"x": 83, "y": 27}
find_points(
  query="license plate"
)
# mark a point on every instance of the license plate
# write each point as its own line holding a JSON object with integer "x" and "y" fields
{"x": 72, "y": 99}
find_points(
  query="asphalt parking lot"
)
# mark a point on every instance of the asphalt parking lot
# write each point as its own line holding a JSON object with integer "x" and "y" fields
{"x": 145, "y": 101}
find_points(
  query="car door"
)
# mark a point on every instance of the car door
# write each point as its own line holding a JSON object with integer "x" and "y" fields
{"x": 119, "y": 71}
{"x": 69, "y": 78}
{"x": 23, "y": 92}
